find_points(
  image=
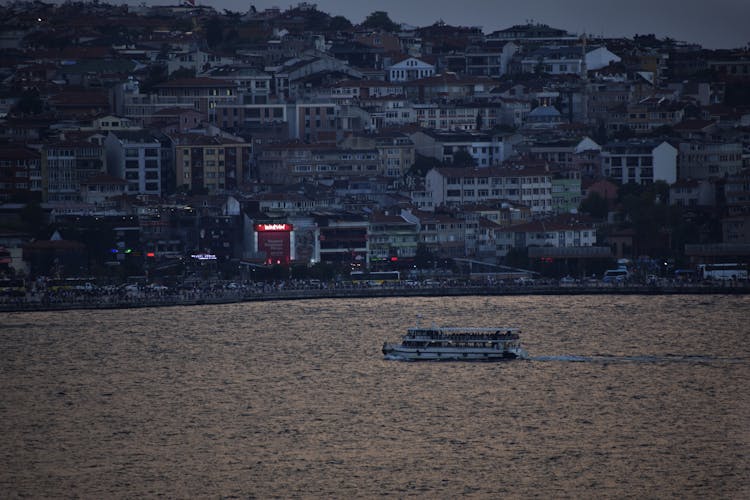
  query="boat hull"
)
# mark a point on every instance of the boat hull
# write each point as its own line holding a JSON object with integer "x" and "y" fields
{"x": 396, "y": 351}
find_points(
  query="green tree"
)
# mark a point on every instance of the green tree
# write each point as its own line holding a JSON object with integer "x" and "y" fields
{"x": 517, "y": 257}
{"x": 183, "y": 73}
{"x": 423, "y": 164}
{"x": 423, "y": 258}
{"x": 379, "y": 20}
{"x": 34, "y": 220}
{"x": 339, "y": 23}
{"x": 462, "y": 158}
{"x": 30, "y": 103}
{"x": 595, "y": 205}
{"x": 214, "y": 29}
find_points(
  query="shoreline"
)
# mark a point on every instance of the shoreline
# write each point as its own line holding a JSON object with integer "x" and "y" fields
{"x": 348, "y": 293}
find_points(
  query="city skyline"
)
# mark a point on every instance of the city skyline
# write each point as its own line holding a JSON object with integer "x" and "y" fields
{"x": 715, "y": 25}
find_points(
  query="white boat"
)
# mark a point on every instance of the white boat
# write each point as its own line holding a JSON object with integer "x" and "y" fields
{"x": 455, "y": 343}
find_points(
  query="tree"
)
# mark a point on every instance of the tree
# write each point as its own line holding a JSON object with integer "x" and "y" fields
{"x": 183, "y": 72}
{"x": 34, "y": 219}
{"x": 423, "y": 258}
{"x": 462, "y": 158}
{"x": 422, "y": 165}
{"x": 595, "y": 205}
{"x": 30, "y": 103}
{"x": 517, "y": 257}
{"x": 339, "y": 23}
{"x": 379, "y": 20}
{"x": 214, "y": 32}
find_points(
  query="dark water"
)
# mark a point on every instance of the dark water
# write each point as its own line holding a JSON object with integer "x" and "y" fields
{"x": 627, "y": 397}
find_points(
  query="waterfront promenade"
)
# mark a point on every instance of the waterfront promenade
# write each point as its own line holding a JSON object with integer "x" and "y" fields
{"x": 212, "y": 294}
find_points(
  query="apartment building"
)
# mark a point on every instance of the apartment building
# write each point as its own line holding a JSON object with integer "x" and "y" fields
{"x": 646, "y": 115}
{"x": 211, "y": 164}
{"x": 135, "y": 156}
{"x": 692, "y": 193}
{"x": 309, "y": 122}
{"x": 640, "y": 161}
{"x": 202, "y": 94}
{"x": 562, "y": 231}
{"x": 342, "y": 239}
{"x": 442, "y": 234}
{"x": 457, "y": 117}
{"x": 299, "y": 162}
{"x": 410, "y": 69}
{"x": 530, "y": 186}
{"x": 396, "y": 151}
{"x": 486, "y": 150}
{"x": 581, "y": 154}
{"x": 392, "y": 239}
{"x": 702, "y": 159}
{"x": 65, "y": 165}
{"x": 20, "y": 174}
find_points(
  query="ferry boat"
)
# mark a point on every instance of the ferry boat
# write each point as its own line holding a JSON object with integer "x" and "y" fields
{"x": 457, "y": 344}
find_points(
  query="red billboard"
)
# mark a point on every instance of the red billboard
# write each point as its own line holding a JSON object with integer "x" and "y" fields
{"x": 274, "y": 241}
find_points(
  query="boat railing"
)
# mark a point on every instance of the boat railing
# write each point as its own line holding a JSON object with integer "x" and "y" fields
{"x": 470, "y": 337}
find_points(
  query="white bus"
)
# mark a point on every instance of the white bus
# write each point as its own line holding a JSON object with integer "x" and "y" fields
{"x": 616, "y": 275}
{"x": 723, "y": 271}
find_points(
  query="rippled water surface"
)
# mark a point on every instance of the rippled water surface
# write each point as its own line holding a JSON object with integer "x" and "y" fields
{"x": 625, "y": 396}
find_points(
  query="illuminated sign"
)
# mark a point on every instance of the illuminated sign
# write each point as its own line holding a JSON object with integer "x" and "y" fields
{"x": 273, "y": 227}
{"x": 204, "y": 256}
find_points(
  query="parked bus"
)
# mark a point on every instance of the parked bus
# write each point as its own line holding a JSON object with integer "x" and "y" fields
{"x": 723, "y": 271}
{"x": 12, "y": 287}
{"x": 615, "y": 275}
{"x": 376, "y": 278}
{"x": 56, "y": 285}
{"x": 685, "y": 274}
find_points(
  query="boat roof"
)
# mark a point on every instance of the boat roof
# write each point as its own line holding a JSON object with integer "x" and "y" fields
{"x": 458, "y": 329}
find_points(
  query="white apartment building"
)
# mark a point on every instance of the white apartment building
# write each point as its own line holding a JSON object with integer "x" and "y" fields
{"x": 530, "y": 186}
{"x": 136, "y": 157}
{"x": 486, "y": 150}
{"x": 410, "y": 69}
{"x": 640, "y": 162}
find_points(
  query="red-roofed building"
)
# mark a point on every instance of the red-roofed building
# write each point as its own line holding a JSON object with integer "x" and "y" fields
{"x": 393, "y": 240}
{"x": 211, "y": 163}
{"x": 98, "y": 188}
{"x": 566, "y": 230}
{"x": 20, "y": 174}
{"x": 531, "y": 186}
{"x": 56, "y": 255}
{"x": 201, "y": 94}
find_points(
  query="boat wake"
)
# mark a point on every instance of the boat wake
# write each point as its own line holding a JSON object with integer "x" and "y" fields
{"x": 667, "y": 358}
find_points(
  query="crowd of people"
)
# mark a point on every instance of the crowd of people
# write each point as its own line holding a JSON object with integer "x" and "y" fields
{"x": 89, "y": 295}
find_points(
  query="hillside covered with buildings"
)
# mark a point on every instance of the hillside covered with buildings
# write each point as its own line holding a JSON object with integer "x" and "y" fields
{"x": 162, "y": 140}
